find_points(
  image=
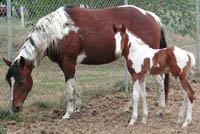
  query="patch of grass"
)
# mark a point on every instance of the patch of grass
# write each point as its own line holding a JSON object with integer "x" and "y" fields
{"x": 41, "y": 105}
{"x": 46, "y": 115}
{"x": 34, "y": 117}
{"x": 5, "y": 115}
{"x": 121, "y": 87}
{"x": 2, "y": 129}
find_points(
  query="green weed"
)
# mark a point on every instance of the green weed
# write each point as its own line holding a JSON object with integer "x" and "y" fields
{"x": 41, "y": 105}
{"x": 5, "y": 115}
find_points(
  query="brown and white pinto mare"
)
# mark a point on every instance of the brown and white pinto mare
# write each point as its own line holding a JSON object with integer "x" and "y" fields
{"x": 71, "y": 36}
{"x": 142, "y": 60}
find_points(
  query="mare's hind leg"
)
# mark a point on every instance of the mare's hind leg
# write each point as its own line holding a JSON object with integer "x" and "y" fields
{"x": 130, "y": 103}
{"x": 161, "y": 93}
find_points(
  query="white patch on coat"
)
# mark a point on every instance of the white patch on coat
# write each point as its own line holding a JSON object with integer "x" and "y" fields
{"x": 157, "y": 19}
{"x": 12, "y": 79}
{"x": 49, "y": 29}
{"x": 139, "y": 51}
{"x": 81, "y": 57}
{"x": 181, "y": 57}
{"x": 140, "y": 9}
{"x": 118, "y": 39}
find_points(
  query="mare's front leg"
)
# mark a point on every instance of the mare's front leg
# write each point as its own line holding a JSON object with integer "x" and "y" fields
{"x": 161, "y": 93}
{"x": 73, "y": 98}
{"x": 135, "y": 98}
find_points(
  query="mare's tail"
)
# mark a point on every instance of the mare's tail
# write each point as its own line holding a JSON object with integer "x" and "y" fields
{"x": 163, "y": 44}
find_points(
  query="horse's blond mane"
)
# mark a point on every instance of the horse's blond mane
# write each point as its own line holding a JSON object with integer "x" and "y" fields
{"x": 47, "y": 33}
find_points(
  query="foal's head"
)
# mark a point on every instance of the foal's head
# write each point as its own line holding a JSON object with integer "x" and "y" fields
{"x": 20, "y": 81}
{"x": 120, "y": 35}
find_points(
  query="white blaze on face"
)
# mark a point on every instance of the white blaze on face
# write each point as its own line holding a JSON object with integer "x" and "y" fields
{"x": 118, "y": 40}
{"x": 181, "y": 57}
{"x": 139, "y": 51}
{"x": 11, "y": 89}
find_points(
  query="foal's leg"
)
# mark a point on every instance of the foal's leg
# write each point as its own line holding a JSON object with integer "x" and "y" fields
{"x": 135, "y": 97}
{"x": 143, "y": 94}
{"x": 189, "y": 96}
{"x": 160, "y": 83}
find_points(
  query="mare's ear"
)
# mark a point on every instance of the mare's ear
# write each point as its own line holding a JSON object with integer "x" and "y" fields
{"x": 22, "y": 62}
{"x": 7, "y": 62}
{"x": 114, "y": 28}
{"x": 123, "y": 28}
{"x": 26, "y": 63}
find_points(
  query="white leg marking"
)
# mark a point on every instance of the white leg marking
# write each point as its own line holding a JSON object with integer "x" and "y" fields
{"x": 70, "y": 98}
{"x": 81, "y": 57}
{"x": 186, "y": 104}
{"x": 136, "y": 92}
{"x": 160, "y": 83}
{"x": 182, "y": 109}
{"x": 143, "y": 94}
{"x": 188, "y": 119}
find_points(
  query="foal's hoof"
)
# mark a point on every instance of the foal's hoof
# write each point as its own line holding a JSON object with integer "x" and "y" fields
{"x": 159, "y": 114}
{"x": 65, "y": 119}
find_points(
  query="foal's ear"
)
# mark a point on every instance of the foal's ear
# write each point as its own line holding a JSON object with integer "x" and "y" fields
{"x": 7, "y": 62}
{"x": 123, "y": 28}
{"x": 114, "y": 28}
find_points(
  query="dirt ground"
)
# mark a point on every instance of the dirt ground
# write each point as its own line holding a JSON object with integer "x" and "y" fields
{"x": 104, "y": 115}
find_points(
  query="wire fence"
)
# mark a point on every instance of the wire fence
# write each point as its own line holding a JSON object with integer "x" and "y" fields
{"x": 49, "y": 85}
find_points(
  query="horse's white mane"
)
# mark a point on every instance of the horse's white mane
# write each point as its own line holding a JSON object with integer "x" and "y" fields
{"x": 48, "y": 31}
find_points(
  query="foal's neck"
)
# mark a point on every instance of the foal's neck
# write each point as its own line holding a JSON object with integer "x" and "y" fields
{"x": 135, "y": 42}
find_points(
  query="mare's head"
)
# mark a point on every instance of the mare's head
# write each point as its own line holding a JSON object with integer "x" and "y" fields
{"x": 120, "y": 35}
{"x": 20, "y": 81}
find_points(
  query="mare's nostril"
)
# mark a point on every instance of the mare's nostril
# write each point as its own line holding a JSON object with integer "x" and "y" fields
{"x": 17, "y": 108}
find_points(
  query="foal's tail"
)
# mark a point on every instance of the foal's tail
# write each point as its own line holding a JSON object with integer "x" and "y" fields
{"x": 192, "y": 66}
{"x": 163, "y": 44}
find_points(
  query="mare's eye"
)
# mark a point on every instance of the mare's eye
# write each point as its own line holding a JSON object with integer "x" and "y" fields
{"x": 20, "y": 83}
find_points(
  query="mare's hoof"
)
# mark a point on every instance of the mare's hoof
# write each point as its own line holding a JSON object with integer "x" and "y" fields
{"x": 77, "y": 113}
{"x": 160, "y": 115}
